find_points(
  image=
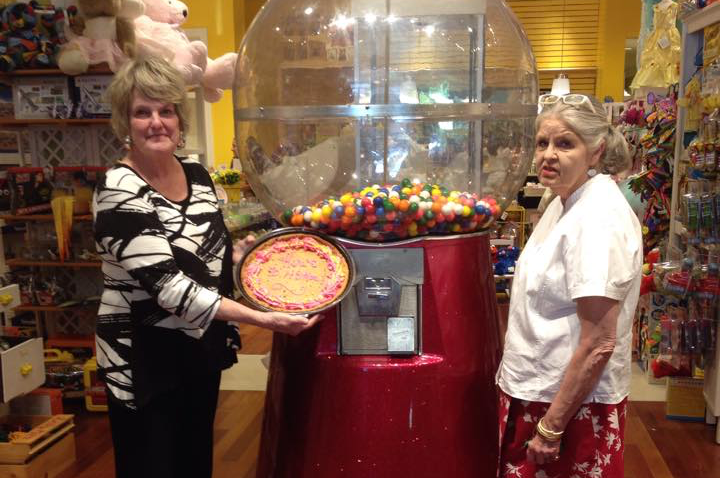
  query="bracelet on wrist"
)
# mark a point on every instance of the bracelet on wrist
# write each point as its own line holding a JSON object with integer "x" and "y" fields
{"x": 546, "y": 433}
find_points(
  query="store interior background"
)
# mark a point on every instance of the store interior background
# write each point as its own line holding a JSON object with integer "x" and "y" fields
{"x": 593, "y": 42}
{"x": 586, "y": 39}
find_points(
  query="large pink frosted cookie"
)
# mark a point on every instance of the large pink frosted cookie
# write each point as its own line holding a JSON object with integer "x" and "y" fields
{"x": 295, "y": 273}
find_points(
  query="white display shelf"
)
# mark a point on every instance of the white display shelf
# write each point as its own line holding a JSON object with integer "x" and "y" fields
{"x": 698, "y": 20}
{"x": 692, "y": 42}
{"x": 501, "y": 242}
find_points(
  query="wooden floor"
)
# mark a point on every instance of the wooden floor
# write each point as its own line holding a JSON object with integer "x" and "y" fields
{"x": 654, "y": 447}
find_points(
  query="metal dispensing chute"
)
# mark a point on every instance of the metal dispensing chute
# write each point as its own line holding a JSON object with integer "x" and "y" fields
{"x": 403, "y": 128}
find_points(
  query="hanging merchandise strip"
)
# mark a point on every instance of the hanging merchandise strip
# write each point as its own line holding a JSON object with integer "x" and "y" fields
{"x": 681, "y": 332}
{"x": 654, "y": 184}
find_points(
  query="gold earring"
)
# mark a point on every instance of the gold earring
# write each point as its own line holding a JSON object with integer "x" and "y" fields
{"x": 181, "y": 143}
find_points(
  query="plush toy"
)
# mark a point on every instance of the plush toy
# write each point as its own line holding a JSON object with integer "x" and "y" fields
{"x": 159, "y": 33}
{"x": 30, "y": 35}
{"x": 506, "y": 259}
{"x": 108, "y": 35}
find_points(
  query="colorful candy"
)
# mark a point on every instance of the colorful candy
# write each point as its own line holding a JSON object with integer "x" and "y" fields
{"x": 392, "y": 212}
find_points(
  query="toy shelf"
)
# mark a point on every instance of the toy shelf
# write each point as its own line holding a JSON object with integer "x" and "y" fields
{"x": 692, "y": 35}
{"x": 41, "y": 217}
{"x": 102, "y": 69}
{"x": 699, "y": 19}
{"x": 70, "y": 341}
{"x": 49, "y": 308}
{"x": 10, "y": 122}
{"x": 25, "y": 263}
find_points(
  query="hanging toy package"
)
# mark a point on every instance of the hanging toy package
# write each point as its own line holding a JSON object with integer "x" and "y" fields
{"x": 707, "y": 218}
{"x": 672, "y": 359}
{"x": 692, "y": 217}
{"x": 703, "y": 310}
{"x": 696, "y": 149}
{"x": 709, "y": 142}
{"x": 680, "y": 282}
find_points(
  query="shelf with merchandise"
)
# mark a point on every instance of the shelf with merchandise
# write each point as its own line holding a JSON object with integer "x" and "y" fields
{"x": 694, "y": 181}
{"x": 49, "y": 97}
{"x": 64, "y": 307}
{"x": 31, "y": 239}
{"x": 100, "y": 69}
{"x": 40, "y": 217}
{"x": 64, "y": 341}
{"x": 14, "y": 263}
{"x": 17, "y": 123}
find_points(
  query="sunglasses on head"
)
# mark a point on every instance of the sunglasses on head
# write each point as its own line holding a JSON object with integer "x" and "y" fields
{"x": 571, "y": 99}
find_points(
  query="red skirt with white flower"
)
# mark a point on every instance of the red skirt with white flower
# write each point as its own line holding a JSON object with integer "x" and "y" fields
{"x": 592, "y": 445}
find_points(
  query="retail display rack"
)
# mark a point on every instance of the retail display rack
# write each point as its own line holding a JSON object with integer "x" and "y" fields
{"x": 61, "y": 141}
{"x": 693, "y": 27}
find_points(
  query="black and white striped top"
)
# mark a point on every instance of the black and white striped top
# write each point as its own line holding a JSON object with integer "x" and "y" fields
{"x": 166, "y": 265}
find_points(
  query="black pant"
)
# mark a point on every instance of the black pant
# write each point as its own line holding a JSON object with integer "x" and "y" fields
{"x": 171, "y": 437}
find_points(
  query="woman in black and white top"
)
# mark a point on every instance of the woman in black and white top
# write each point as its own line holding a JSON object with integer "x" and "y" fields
{"x": 163, "y": 335}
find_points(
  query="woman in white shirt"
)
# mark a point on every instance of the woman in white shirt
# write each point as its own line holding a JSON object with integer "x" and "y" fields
{"x": 565, "y": 373}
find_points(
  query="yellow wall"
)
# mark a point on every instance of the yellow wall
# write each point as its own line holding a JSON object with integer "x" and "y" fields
{"x": 226, "y": 23}
{"x": 246, "y": 10}
{"x": 218, "y": 17}
{"x": 619, "y": 20}
{"x": 239, "y": 9}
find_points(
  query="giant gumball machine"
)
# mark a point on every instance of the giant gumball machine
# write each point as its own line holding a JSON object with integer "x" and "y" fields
{"x": 403, "y": 128}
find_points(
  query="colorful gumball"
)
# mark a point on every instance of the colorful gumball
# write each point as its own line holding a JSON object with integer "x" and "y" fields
{"x": 395, "y": 211}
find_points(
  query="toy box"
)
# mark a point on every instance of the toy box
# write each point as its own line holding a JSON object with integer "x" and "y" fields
{"x": 685, "y": 400}
{"x": 44, "y": 450}
{"x": 41, "y": 98}
{"x": 30, "y": 190}
{"x": 95, "y": 395}
{"x": 91, "y": 93}
{"x": 650, "y": 309}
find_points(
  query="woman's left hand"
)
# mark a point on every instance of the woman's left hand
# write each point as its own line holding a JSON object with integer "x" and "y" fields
{"x": 542, "y": 451}
{"x": 240, "y": 247}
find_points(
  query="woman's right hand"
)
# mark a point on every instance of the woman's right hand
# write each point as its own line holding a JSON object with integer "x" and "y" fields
{"x": 233, "y": 311}
{"x": 286, "y": 323}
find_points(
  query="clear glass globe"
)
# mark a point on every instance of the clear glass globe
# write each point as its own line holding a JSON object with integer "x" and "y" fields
{"x": 386, "y": 119}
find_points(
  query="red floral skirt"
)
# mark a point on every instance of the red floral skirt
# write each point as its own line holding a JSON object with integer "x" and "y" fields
{"x": 592, "y": 445}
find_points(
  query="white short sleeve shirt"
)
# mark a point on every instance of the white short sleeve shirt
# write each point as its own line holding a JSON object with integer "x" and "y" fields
{"x": 590, "y": 246}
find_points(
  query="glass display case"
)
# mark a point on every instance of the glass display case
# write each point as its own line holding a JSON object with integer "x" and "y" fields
{"x": 382, "y": 120}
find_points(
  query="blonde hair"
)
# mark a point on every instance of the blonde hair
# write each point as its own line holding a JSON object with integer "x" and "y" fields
{"x": 155, "y": 79}
{"x": 594, "y": 130}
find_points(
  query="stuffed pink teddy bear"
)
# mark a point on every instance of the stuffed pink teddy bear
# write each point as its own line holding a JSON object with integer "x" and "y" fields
{"x": 158, "y": 32}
